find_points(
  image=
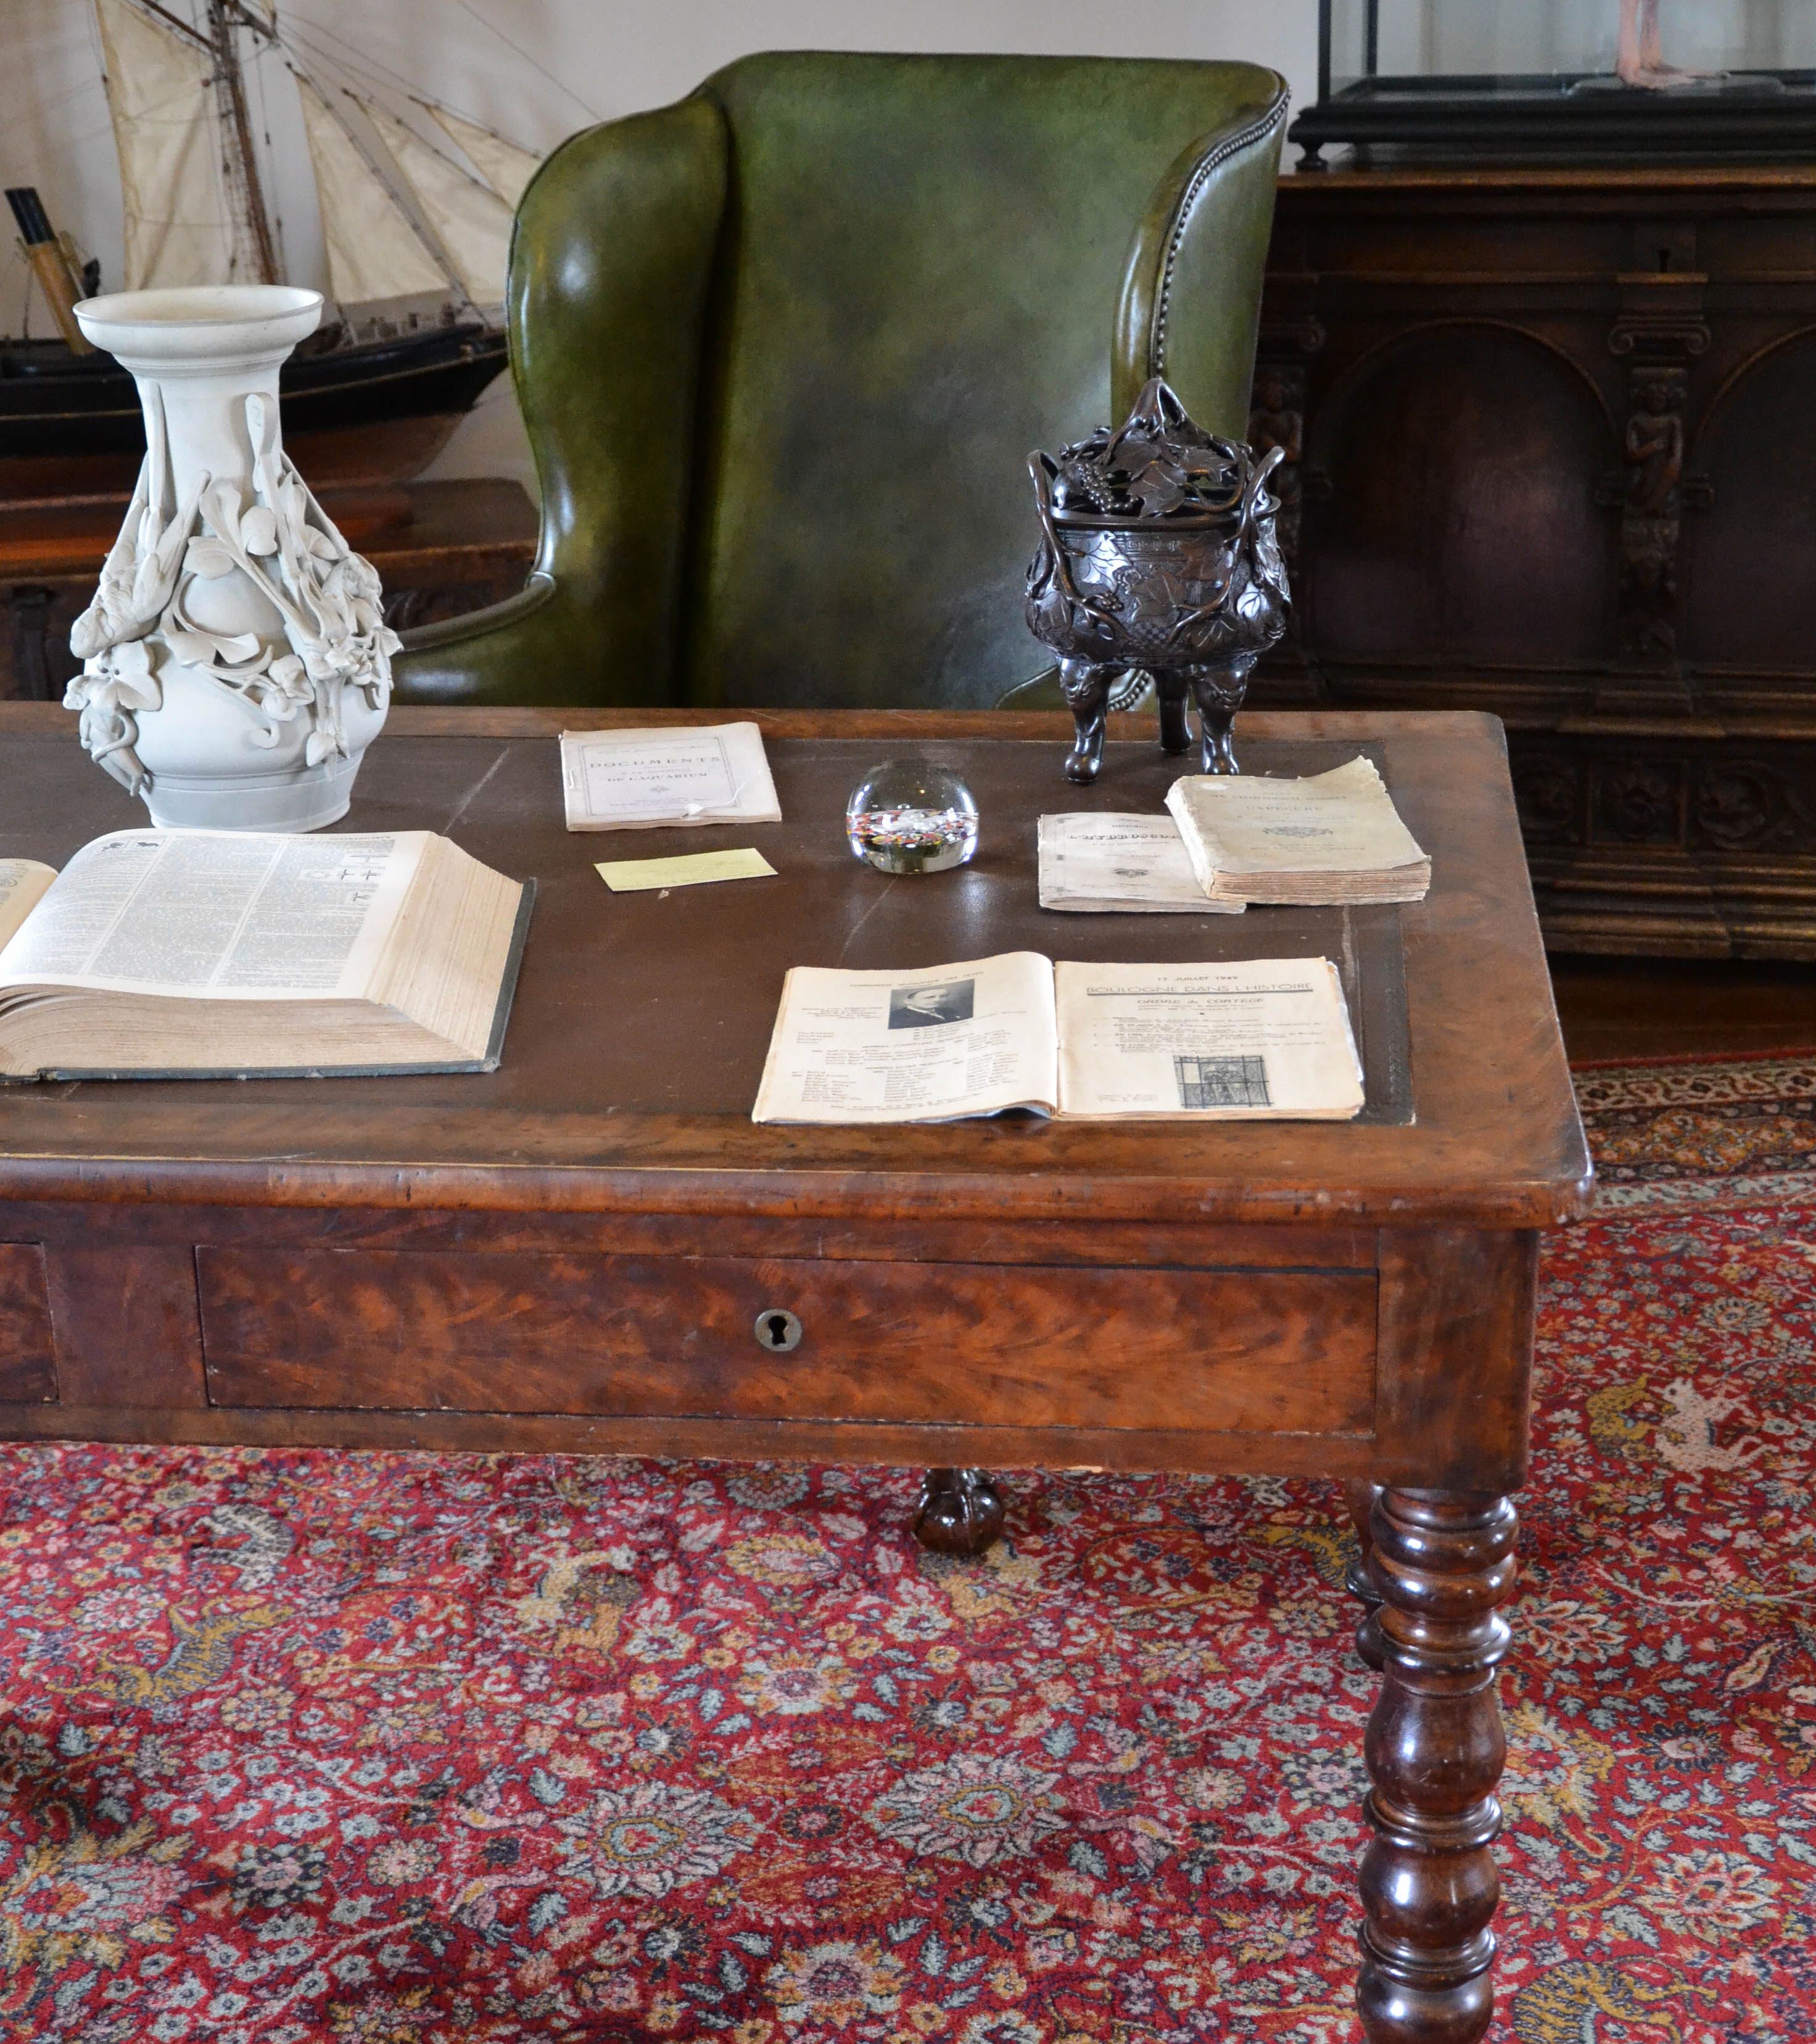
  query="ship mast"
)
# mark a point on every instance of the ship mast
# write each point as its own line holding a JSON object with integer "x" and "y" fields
{"x": 198, "y": 214}
{"x": 238, "y": 158}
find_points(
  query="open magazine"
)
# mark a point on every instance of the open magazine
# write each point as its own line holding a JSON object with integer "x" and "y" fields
{"x": 1251, "y": 1039}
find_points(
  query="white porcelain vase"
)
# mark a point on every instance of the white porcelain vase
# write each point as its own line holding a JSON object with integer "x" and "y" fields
{"x": 236, "y": 661}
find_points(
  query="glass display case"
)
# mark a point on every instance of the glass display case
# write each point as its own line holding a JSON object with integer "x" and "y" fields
{"x": 1561, "y": 79}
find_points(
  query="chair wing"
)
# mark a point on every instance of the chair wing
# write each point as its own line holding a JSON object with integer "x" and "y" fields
{"x": 783, "y": 351}
{"x": 610, "y": 271}
{"x": 1191, "y": 307}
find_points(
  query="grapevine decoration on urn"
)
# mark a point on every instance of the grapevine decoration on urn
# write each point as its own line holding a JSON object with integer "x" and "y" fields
{"x": 1157, "y": 557}
{"x": 236, "y": 659}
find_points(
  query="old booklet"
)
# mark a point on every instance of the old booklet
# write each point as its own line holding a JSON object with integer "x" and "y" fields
{"x": 1333, "y": 838}
{"x": 1254, "y": 1039}
{"x": 678, "y": 774}
{"x": 1123, "y": 862}
{"x": 193, "y": 954}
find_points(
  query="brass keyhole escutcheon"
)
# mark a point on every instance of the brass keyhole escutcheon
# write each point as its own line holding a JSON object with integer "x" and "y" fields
{"x": 777, "y": 1330}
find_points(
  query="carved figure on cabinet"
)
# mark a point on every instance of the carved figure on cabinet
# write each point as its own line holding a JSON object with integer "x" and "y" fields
{"x": 1651, "y": 518}
{"x": 1655, "y": 440}
{"x": 1276, "y": 419}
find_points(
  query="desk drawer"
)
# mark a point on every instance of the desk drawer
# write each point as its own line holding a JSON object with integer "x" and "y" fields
{"x": 1261, "y": 1350}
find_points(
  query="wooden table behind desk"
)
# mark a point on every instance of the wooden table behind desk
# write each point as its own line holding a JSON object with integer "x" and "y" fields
{"x": 441, "y": 549}
{"x": 575, "y": 1252}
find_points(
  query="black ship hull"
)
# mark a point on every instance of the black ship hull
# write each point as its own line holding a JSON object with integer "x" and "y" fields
{"x": 377, "y": 411}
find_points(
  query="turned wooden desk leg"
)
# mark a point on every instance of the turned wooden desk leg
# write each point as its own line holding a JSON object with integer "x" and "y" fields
{"x": 1360, "y": 1497}
{"x": 1444, "y": 1564}
{"x": 960, "y": 1511}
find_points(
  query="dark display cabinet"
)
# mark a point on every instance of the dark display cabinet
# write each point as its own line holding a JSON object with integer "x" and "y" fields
{"x": 1551, "y": 441}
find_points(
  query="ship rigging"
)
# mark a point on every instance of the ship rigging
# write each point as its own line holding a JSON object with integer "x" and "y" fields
{"x": 416, "y": 233}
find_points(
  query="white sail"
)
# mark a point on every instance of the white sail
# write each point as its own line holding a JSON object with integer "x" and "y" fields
{"x": 505, "y": 167}
{"x": 180, "y": 227}
{"x": 472, "y": 222}
{"x": 373, "y": 251}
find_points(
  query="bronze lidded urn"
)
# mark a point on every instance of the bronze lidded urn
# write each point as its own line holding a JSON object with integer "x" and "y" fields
{"x": 1157, "y": 556}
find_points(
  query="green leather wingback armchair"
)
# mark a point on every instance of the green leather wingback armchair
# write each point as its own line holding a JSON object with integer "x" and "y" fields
{"x": 783, "y": 350}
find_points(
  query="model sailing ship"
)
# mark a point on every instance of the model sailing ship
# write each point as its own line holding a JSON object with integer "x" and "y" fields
{"x": 416, "y": 241}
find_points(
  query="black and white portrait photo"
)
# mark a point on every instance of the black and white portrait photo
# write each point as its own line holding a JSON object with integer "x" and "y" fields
{"x": 924, "y": 1007}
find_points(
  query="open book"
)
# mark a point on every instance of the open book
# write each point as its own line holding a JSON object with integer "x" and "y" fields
{"x": 1331, "y": 838}
{"x": 205, "y": 953}
{"x": 1258, "y": 1039}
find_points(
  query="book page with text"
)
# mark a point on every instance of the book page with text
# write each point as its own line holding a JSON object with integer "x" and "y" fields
{"x": 932, "y": 1045}
{"x": 23, "y": 882}
{"x": 1252, "y": 1039}
{"x": 218, "y": 915}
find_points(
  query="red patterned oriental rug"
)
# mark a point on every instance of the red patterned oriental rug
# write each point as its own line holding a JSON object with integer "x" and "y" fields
{"x": 300, "y": 1748}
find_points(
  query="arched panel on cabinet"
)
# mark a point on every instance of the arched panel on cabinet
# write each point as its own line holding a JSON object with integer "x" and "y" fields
{"x": 1452, "y": 481}
{"x": 1749, "y": 598}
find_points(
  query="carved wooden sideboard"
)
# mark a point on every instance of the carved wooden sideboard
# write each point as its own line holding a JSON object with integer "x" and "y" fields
{"x": 1552, "y": 452}
{"x": 442, "y": 549}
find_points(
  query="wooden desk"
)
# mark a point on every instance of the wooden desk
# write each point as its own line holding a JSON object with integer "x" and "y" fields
{"x": 573, "y": 1253}
{"x": 1636, "y": 344}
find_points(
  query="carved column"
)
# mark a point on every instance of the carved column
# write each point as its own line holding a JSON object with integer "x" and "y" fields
{"x": 1444, "y": 1565}
{"x": 1276, "y": 419}
{"x": 1659, "y": 331}
{"x": 1652, "y": 512}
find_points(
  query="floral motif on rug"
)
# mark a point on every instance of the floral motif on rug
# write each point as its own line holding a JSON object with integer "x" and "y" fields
{"x": 1686, "y": 1133}
{"x": 300, "y": 1748}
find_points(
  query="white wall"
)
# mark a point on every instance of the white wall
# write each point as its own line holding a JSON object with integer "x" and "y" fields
{"x": 536, "y": 70}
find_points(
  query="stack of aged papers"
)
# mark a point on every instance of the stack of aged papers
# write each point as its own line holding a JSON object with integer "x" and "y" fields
{"x": 1334, "y": 838}
{"x": 684, "y": 774}
{"x": 1251, "y": 1039}
{"x": 1120, "y": 861}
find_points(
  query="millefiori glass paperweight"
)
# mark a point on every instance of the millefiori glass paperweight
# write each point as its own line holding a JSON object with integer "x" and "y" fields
{"x": 910, "y": 816}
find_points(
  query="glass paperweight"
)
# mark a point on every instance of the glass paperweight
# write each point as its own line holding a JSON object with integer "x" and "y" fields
{"x": 910, "y": 816}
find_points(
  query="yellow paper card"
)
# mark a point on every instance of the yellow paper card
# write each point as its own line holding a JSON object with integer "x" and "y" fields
{"x": 634, "y": 876}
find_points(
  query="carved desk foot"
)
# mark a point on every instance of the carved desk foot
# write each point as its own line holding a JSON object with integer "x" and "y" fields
{"x": 1444, "y": 1564}
{"x": 960, "y": 1511}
